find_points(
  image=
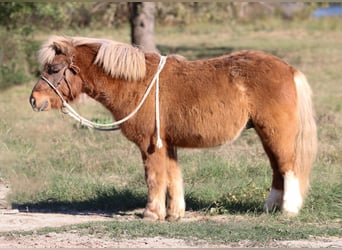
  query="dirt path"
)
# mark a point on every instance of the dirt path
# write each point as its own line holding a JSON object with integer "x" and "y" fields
{"x": 13, "y": 220}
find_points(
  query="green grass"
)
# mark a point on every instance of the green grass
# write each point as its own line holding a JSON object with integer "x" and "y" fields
{"x": 216, "y": 232}
{"x": 51, "y": 163}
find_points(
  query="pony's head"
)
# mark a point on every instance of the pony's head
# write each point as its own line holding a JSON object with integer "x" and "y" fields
{"x": 56, "y": 56}
{"x": 64, "y": 71}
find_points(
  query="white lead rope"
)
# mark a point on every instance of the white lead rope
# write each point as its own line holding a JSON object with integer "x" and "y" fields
{"x": 159, "y": 141}
{"x": 67, "y": 109}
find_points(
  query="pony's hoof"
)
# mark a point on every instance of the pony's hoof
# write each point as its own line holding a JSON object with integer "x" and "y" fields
{"x": 290, "y": 210}
{"x": 172, "y": 218}
{"x": 274, "y": 201}
{"x": 270, "y": 208}
{"x": 150, "y": 216}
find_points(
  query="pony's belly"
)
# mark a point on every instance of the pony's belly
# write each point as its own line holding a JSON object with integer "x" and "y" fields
{"x": 209, "y": 137}
{"x": 211, "y": 120}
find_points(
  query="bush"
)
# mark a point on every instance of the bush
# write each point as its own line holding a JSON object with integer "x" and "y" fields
{"x": 12, "y": 56}
{"x": 18, "y": 21}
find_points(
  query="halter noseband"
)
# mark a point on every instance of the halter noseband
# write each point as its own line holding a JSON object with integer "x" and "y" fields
{"x": 54, "y": 89}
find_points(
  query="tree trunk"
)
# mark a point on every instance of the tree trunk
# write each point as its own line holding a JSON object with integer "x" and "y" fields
{"x": 142, "y": 25}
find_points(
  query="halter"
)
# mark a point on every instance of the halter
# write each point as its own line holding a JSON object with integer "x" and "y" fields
{"x": 67, "y": 109}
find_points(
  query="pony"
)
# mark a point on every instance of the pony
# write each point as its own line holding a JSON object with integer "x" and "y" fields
{"x": 201, "y": 103}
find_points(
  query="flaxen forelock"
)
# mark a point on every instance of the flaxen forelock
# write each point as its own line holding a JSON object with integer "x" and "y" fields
{"x": 119, "y": 60}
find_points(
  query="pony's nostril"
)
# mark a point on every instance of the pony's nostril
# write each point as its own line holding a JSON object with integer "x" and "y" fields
{"x": 33, "y": 102}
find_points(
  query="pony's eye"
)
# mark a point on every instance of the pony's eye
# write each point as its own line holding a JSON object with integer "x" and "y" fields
{"x": 52, "y": 69}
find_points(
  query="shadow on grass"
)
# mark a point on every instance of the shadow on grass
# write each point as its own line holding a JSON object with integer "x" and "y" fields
{"x": 114, "y": 201}
{"x": 104, "y": 201}
{"x": 222, "y": 206}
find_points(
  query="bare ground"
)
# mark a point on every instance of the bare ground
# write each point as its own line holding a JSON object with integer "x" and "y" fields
{"x": 13, "y": 220}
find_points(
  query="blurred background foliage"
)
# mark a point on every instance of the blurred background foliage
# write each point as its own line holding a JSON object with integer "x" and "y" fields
{"x": 20, "y": 22}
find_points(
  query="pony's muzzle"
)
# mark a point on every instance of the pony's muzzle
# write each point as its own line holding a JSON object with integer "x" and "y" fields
{"x": 38, "y": 107}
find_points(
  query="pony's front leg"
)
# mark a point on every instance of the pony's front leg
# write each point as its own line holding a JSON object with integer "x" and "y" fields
{"x": 155, "y": 164}
{"x": 175, "y": 190}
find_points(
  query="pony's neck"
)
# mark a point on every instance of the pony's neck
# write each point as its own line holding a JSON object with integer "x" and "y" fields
{"x": 119, "y": 96}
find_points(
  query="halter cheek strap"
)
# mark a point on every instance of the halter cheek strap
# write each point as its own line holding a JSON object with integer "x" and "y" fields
{"x": 67, "y": 109}
{"x": 54, "y": 89}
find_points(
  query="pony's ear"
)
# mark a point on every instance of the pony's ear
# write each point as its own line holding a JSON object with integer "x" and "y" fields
{"x": 58, "y": 47}
{"x": 62, "y": 47}
{"x": 74, "y": 68}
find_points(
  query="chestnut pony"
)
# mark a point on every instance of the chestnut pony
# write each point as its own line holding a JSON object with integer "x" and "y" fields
{"x": 202, "y": 103}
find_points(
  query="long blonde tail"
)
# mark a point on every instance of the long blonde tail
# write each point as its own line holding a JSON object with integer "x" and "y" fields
{"x": 306, "y": 144}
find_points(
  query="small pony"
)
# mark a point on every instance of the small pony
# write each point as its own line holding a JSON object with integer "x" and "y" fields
{"x": 201, "y": 103}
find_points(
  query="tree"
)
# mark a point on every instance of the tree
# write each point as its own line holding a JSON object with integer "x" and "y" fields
{"x": 142, "y": 25}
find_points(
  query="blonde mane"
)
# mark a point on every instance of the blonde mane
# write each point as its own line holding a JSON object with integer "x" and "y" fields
{"x": 118, "y": 60}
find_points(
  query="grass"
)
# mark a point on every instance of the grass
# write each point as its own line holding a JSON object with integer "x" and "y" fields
{"x": 51, "y": 163}
{"x": 259, "y": 230}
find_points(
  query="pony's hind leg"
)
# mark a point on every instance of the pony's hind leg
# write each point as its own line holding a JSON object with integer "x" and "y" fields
{"x": 279, "y": 141}
{"x": 275, "y": 198}
{"x": 292, "y": 200}
{"x": 155, "y": 164}
{"x": 175, "y": 190}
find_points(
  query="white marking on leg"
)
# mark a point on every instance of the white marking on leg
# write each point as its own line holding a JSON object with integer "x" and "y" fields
{"x": 274, "y": 200}
{"x": 292, "y": 201}
{"x": 181, "y": 202}
{"x": 177, "y": 207}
